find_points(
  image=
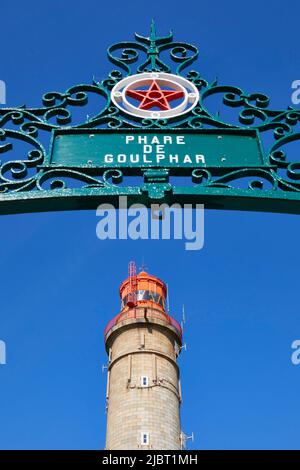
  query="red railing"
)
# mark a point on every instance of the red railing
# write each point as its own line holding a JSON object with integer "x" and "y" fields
{"x": 133, "y": 313}
{"x": 176, "y": 325}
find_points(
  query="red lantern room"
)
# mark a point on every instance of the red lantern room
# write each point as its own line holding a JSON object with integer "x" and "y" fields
{"x": 143, "y": 295}
{"x": 142, "y": 290}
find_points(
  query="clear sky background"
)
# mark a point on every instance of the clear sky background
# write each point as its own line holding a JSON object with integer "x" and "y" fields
{"x": 59, "y": 283}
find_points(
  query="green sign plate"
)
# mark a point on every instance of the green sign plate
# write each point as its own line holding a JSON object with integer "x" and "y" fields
{"x": 176, "y": 148}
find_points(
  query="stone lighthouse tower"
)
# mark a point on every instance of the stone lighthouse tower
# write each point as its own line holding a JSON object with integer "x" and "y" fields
{"x": 143, "y": 387}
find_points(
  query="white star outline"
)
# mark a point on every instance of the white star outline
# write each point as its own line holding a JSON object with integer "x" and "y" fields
{"x": 175, "y": 82}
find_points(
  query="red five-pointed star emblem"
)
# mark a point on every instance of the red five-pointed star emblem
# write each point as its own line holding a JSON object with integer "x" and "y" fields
{"x": 155, "y": 97}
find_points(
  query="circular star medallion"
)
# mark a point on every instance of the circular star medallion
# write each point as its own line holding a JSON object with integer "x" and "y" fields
{"x": 155, "y": 95}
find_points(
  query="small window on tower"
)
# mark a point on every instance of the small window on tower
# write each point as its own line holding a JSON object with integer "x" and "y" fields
{"x": 145, "y": 439}
{"x": 144, "y": 381}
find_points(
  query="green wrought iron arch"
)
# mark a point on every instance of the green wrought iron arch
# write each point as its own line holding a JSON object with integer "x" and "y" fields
{"x": 31, "y": 183}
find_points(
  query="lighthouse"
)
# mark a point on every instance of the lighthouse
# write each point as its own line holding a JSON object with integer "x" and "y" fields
{"x": 143, "y": 392}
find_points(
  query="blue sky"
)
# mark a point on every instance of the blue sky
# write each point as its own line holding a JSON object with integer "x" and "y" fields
{"x": 59, "y": 283}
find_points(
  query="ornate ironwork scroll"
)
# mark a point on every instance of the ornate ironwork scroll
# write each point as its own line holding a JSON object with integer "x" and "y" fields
{"x": 31, "y": 183}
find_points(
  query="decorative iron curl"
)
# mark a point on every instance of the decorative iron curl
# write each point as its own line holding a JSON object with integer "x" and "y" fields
{"x": 64, "y": 179}
{"x": 14, "y": 174}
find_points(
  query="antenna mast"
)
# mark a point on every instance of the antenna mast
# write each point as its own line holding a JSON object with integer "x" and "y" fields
{"x": 131, "y": 300}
